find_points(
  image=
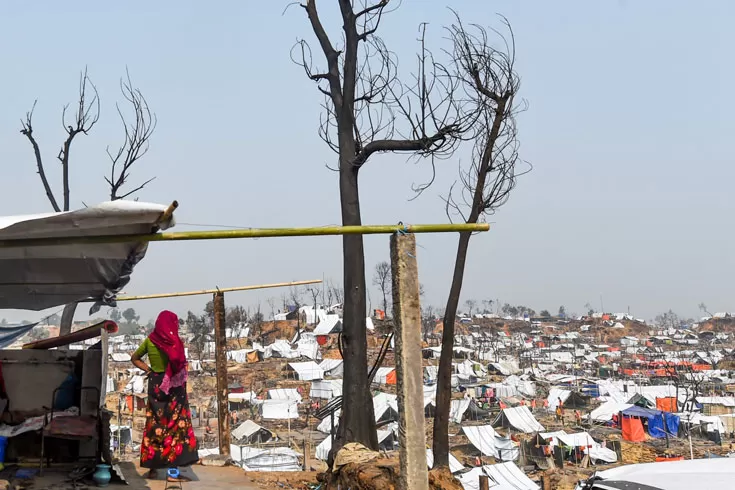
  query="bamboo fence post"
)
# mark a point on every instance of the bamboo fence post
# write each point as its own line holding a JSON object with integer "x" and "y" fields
{"x": 220, "y": 350}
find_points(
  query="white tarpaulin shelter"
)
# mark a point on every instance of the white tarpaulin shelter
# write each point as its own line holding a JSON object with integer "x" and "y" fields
{"x": 332, "y": 367}
{"x": 584, "y": 441}
{"x": 283, "y": 394}
{"x": 454, "y": 464}
{"x": 307, "y": 371}
{"x": 457, "y": 409}
{"x": 490, "y": 443}
{"x": 40, "y": 277}
{"x": 503, "y": 476}
{"x": 330, "y": 324}
{"x": 518, "y": 418}
{"x": 555, "y": 394}
{"x": 279, "y": 410}
{"x": 605, "y": 412}
{"x": 251, "y": 432}
{"x": 326, "y": 389}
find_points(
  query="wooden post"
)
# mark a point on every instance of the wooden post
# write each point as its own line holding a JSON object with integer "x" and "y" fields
{"x": 220, "y": 356}
{"x": 407, "y": 319}
{"x": 484, "y": 482}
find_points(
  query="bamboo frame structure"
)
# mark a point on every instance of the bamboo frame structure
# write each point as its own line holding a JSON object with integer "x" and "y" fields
{"x": 249, "y": 233}
{"x": 218, "y": 290}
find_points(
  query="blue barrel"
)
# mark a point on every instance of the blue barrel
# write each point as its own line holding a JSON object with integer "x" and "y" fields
{"x": 3, "y": 445}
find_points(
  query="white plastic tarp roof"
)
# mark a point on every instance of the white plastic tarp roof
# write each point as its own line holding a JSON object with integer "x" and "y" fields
{"x": 382, "y": 373}
{"x": 136, "y": 385}
{"x": 454, "y": 464}
{"x": 330, "y": 324}
{"x": 555, "y": 394}
{"x": 382, "y": 402}
{"x": 284, "y": 394}
{"x": 40, "y": 277}
{"x": 328, "y": 365}
{"x": 605, "y": 412}
{"x": 246, "y": 429}
{"x": 457, "y": 409}
{"x": 307, "y": 371}
{"x": 279, "y": 410}
{"x": 676, "y": 475}
{"x": 503, "y": 476}
{"x": 326, "y": 389}
{"x": 520, "y": 418}
{"x": 490, "y": 443}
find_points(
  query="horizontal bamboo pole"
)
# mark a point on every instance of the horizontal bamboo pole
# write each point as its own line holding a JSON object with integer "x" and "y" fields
{"x": 220, "y": 290}
{"x": 247, "y": 233}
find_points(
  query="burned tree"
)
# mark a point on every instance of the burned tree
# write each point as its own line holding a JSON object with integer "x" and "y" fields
{"x": 382, "y": 280}
{"x": 368, "y": 110}
{"x": 85, "y": 117}
{"x": 491, "y": 84}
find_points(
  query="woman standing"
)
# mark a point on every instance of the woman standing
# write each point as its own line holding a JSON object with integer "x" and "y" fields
{"x": 168, "y": 440}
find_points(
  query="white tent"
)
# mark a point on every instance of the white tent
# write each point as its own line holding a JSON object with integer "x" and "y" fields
{"x": 457, "y": 409}
{"x": 251, "y": 432}
{"x": 454, "y": 464}
{"x": 282, "y": 394}
{"x": 307, "y": 371}
{"x": 503, "y": 476}
{"x": 326, "y": 389}
{"x": 62, "y": 274}
{"x": 490, "y": 443}
{"x": 279, "y": 409}
{"x": 330, "y": 324}
{"x": 518, "y": 418}
{"x": 136, "y": 385}
{"x": 555, "y": 394}
{"x": 332, "y": 367}
{"x": 381, "y": 376}
{"x": 605, "y": 412}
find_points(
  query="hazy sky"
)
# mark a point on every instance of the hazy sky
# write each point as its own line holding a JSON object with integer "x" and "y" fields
{"x": 630, "y": 111}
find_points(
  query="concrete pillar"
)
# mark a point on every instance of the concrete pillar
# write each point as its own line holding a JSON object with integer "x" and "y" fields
{"x": 220, "y": 355}
{"x": 407, "y": 320}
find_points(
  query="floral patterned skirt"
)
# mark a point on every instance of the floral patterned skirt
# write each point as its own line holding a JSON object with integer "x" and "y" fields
{"x": 168, "y": 439}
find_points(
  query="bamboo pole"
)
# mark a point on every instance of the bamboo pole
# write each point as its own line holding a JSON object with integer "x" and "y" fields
{"x": 168, "y": 213}
{"x": 217, "y": 290}
{"x": 247, "y": 233}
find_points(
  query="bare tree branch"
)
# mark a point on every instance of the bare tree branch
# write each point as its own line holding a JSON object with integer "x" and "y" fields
{"x": 86, "y": 116}
{"x": 27, "y": 131}
{"x": 136, "y": 140}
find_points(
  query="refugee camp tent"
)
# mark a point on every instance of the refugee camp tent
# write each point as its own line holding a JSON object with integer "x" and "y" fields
{"x": 306, "y": 371}
{"x": 279, "y": 409}
{"x": 251, "y": 433}
{"x": 490, "y": 443}
{"x": 385, "y": 376}
{"x": 326, "y": 389}
{"x": 518, "y": 418}
{"x": 385, "y": 407}
{"x": 658, "y": 422}
{"x": 584, "y": 441}
{"x": 284, "y": 394}
{"x": 503, "y": 476}
{"x": 555, "y": 394}
{"x": 605, "y": 412}
{"x": 332, "y": 367}
{"x": 454, "y": 464}
{"x": 331, "y": 324}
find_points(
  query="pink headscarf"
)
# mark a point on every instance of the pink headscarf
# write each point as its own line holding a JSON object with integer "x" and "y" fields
{"x": 166, "y": 337}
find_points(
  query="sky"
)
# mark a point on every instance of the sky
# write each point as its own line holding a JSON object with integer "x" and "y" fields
{"x": 629, "y": 112}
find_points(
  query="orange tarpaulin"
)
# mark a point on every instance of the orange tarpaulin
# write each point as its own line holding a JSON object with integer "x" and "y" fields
{"x": 633, "y": 430}
{"x": 667, "y": 404}
{"x": 391, "y": 378}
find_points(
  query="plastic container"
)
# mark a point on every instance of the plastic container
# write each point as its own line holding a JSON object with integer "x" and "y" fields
{"x": 3, "y": 445}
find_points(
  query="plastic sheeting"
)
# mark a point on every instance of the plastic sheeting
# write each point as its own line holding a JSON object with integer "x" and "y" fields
{"x": 519, "y": 418}
{"x": 633, "y": 430}
{"x": 279, "y": 410}
{"x": 503, "y": 476}
{"x": 490, "y": 443}
{"x": 454, "y": 464}
{"x": 307, "y": 371}
{"x": 8, "y": 335}
{"x": 458, "y": 409}
{"x": 555, "y": 394}
{"x": 604, "y": 412}
{"x": 276, "y": 459}
{"x": 40, "y": 277}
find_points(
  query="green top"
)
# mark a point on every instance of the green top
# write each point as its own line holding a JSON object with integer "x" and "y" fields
{"x": 156, "y": 358}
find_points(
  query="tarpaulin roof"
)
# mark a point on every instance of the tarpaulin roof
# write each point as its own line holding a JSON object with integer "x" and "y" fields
{"x": 330, "y": 324}
{"x": 503, "y": 476}
{"x": 519, "y": 418}
{"x": 279, "y": 409}
{"x": 40, "y": 277}
{"x": 490, "y": 443}
{"x": 307, "y": 371}
{"x": 248, "y": 429}
{"x": 8, "y": 335}
{"x": 636, "y": 411}
{"x": 454, "y": 464}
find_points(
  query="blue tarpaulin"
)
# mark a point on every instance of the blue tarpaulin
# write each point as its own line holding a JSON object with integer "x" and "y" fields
{"x": 655, "y": 420}
{"x": 8, "y": 335}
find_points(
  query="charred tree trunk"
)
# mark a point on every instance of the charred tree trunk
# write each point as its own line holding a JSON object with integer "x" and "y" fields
{"x": 444, "y": 376}
{"x": 357, "y": 422}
